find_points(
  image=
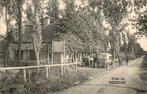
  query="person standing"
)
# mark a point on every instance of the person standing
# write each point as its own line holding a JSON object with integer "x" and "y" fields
{"x": 127, "y": 60}
{"x": 120, "y": 62}
{"x": 95, "y": 61}
{"x": 91, "y": 61}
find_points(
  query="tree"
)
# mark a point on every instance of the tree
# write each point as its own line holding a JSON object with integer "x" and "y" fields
{"x": 5, "y": 3}
{"x": 95, "y": 8}
{"x": 35, "y": 18}
{"x": 19, "y": 21}
{"x": 37, "y": 37}
{"x": 83, "y": 27}
{"x": 83, "y": 24}
{"x": 13, "y": 12}
{"x": 138, "y": 50}
{"x": 131, "y": 45}
{"x": 140, "y": 21}
{"x": 10, "y": 10}
{"x": 114, "y": 12}
{"x": 53, "y": 10}
{"x": 140, "y": 3}
{"x": 70, "y": 8}
{"x": 142, "y": 24}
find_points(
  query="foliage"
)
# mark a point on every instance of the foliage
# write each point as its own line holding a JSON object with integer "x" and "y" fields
{"x": 134, "y": 48}
{"x": 38, "y": 83}
{"x": 70, "y": 8}
{"x": 140, "y": 21}
{"x": 138, "y": 50}
{"x": 53, "y": 10}
{"x": 140, "y": 3}
{"x": 82, "y": 28}
{"x": 115, "y": 11}
{"x": 83, "y": 31}
{"x": 29, "y": 14}
{"x": 142, "y": 24}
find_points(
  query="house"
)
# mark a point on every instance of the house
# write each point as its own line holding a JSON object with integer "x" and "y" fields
{"x": 52, "y": 51}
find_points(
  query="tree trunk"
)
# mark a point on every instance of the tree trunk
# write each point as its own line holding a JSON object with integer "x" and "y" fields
{"x": 37, "y": 58}
{"x": 47, "y": 54}
{"x": 7, "y": 48}
{"x": 113, "y": 41}
{"x": 19, "y": 30}
{"x": 37, "y": 39}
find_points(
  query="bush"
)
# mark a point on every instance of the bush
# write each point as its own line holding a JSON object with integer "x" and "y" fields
{"x": 39, "y": 84}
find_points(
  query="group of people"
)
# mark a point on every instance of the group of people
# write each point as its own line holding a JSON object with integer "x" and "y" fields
{"x": 91, "y": 60}
{"x": 88, "y": 61}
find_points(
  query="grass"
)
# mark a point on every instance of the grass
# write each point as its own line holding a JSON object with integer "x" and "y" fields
{"x": 39, "y": 84}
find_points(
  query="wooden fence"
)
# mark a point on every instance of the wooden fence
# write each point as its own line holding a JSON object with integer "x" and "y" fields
{"x": 47, "y": 68}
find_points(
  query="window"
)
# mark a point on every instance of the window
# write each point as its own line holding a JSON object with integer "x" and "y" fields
{"x": 32, "y": 55}
{"x": 16, "y": 54}
{"x": 22, "y": 52}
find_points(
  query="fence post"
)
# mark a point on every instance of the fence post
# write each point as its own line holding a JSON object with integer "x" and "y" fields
{"x": 24, "y": 75}
{"x": 29, "y": 71}
{"x": 52, "y": 58}
{"x": 47, "y": 72}
{"x": 49, "y": 68}
{"x": 62, "y": 68}
{"x": 76, "y": 65}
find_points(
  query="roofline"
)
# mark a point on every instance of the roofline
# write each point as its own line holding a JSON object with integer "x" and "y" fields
{"x": 29, "y": 42}
{"x": 106, "y": 53}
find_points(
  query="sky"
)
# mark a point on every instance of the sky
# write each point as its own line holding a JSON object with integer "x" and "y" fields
{"x": 2, "y": 25}
{"x": 142, "y": 41}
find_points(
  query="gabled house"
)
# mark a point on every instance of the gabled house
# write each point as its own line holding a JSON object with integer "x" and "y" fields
{"x": 52, "y": 51}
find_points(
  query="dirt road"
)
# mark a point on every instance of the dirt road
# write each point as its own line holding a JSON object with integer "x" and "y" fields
{"x": 121, "y": 80}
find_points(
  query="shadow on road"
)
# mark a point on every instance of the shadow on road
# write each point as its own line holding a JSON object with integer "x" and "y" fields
{"x": 143, "y": 70}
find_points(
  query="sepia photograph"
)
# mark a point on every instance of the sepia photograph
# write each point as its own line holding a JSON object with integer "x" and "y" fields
{"x": 73, "y": 46}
